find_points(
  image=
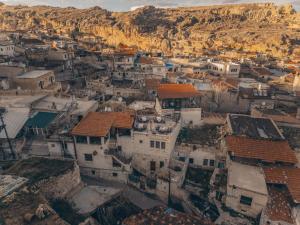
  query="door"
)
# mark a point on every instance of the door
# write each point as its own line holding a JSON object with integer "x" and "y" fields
{"x": 152, "y": 165}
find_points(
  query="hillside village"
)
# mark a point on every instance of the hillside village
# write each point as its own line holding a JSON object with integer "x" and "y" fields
{"x": 117, "y": 135}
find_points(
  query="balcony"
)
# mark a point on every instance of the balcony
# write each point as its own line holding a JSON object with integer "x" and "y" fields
{"x": 119, "y": 155}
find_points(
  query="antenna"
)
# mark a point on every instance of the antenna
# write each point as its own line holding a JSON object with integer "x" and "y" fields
{"x": 3, "y": 127}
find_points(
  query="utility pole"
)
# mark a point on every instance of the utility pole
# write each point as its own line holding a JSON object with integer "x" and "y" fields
{"x": 3, "y": 127}
{"x": 169, "y": 192}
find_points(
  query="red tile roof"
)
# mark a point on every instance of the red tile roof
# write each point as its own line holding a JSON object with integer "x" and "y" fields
{"x": 146, "y": 60}
{"x": 177, "y": 91}
{"x": 125, "y": 52}
{"x": 98, "y": 124}
{"x": 152, "y": 84}
{"x": 278, "y": 207}
{"x": 285, "y": 176}
{"x": 265, "y": 150}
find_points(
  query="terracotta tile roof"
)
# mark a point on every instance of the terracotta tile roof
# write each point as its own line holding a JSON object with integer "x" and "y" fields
{"x": 177, "y": 91}
{"x": 152, "y": 84}
{"x": 122, "y": 119}
{"x": 294, "y": 69}
{"x": 98, "y": 124}
{"x": 285, "y": 176}
{"x": 125, "y": 52}
{"x": 146, "y": 60}
{"x": 278, "y": 207}
{"x": 162, "y": 216}
{"x": 265, "y": 150}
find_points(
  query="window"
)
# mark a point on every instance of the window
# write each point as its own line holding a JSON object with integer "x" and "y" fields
{"x": 152, "y": 144}
{"x": 181, "y": 158}
{"x": 41, "y": 84}
{"x": 205, "y": 162}
{"x": 163, "y": 145}
{"x": 161, "y": 164}
{"x": 221, "y": 165}
{"x": 212, "y": 163}
{"x": 152, "y": 165}
{"x": 88, "y": 157}
{"x": 64, "y": 145}
{"x": 157, "y": 144}
{"x": 246, "y": 200}
{"x": 95, "y": 140}
{"x": 115, "y": 174}
{"x": 81, "y": 139}
{"x": 93, "y": 172}
{"x": 53, "y": 145}
{"x": 141, "y": 141}
{"x": 191, "y": 160}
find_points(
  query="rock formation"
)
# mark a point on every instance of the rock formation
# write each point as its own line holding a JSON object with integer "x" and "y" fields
{"x": 265, "y": 28}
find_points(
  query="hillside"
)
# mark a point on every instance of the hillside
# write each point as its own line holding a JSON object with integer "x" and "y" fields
{"x": 265, "y": 28}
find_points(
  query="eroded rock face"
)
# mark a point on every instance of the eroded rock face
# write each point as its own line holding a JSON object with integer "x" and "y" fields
{"x": 264, "y": 28}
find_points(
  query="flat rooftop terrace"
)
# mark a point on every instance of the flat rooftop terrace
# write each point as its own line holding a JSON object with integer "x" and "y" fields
{"x": 38, "y": 168}
{"x": 258, "y": 128}
{"x": 206, "y": 135}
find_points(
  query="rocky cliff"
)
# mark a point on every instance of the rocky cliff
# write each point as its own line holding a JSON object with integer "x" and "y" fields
{"x": 265, "y": 28}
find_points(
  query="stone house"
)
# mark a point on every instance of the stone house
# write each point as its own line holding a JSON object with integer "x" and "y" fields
{"x": 7, "y": 48}
{"x": 246, "y": 189}
{"x": 179, "y": 98}
{"x": 35, "y": 80}
{"x": 95, "y": 144}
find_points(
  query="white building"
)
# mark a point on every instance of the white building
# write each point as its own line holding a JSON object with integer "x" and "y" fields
{"x": 153, "y": 67}
{"x": 7, "y": 48}
{"x": 179, "y": 98}
{"x": 151, "y": 143}
{"x": 77, "y": 109}
{"x": 224, "y": 68}
{"x": 107, "y": 142}
{"x": 95, "y": 139}
{"x": 14, "y": 118}
{"x": 246, "y": 189}
{"x": 124, "y": 60}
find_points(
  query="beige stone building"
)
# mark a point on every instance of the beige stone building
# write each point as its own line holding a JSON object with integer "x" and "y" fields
{"x": 35, "y": 80}
{"x": 246, "y": 189}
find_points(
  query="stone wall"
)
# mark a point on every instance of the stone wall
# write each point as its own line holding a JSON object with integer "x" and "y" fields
{"x": 59, "y": 187}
